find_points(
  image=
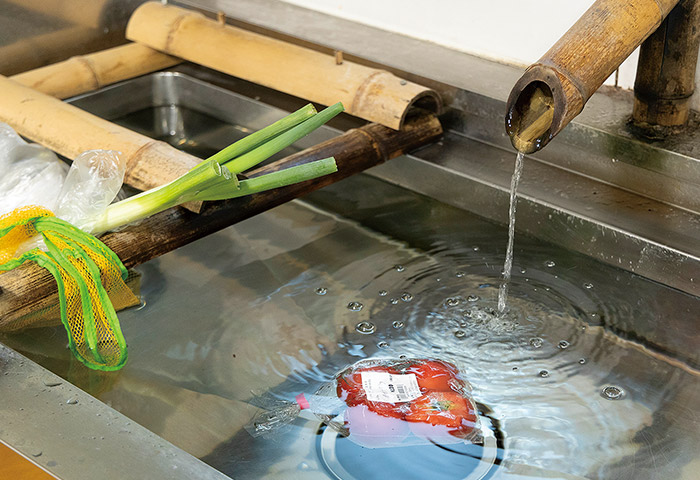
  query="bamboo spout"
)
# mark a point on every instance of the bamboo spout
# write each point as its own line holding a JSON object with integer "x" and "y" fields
{"x": 554, "y": 90}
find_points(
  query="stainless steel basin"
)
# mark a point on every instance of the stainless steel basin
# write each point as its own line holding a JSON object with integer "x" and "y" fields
{"x": 592, "y": 374}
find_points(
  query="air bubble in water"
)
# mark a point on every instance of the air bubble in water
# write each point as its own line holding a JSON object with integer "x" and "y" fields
{"x": 394, "y": 301}
{"x": 543, "y": 373}
{"x": 611, "y": 392}
{"x": 522, "y": 270}
{"x": 588, "y": 285}
{"x": 321, "y": 291}
{"x": 536, "y": 342}
{"x": 549, "y": 263}
{"x": 399, "y": 268}
{"x": 563, "y": 344}
{"x": 355, "y": 306}
{"x": 383, "y": 344}
{"x": 460, "y": 333}
{"x": 366, "y": 327}
{"x": 383, "y": 293}
{"x": 459, "y": 274}
{"x": 452, "y": 302}
{"x": 582, "y": 361}
{"x": 406, "y": 297}
{"x": 476, "y": 249}
{"x": 473, "y": 298}
{"x": 398, "y": 324}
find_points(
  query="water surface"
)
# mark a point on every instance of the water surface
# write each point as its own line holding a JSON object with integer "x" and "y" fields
{"x": 259, "y": 312}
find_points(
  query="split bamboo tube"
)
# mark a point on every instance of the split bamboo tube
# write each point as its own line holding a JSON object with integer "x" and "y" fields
{"x": 576, "y": 66}
{"x": 90, "y": 72}
{"x": 368, "y": 93}
{"x": 666, "y": 70}
{"x": 69, "y": 131}
{"x": 30, "y": 288}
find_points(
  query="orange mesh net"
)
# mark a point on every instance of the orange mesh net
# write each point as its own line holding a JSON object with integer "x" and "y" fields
{"x": 90, "y": 279}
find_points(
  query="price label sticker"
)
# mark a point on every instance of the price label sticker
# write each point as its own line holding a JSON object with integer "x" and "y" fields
{"x": 388, "y": 387}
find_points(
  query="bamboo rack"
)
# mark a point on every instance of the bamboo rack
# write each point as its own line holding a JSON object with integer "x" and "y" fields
{"x": 85, "y": 73}
{"x": 69, "y": 131}
{"x": 375, "y": 95}
{"x": 30, "y": 288}
{"x": 578, "y": 64}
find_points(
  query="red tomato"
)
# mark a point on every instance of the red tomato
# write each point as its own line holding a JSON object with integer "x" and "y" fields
{"x": 387, "y": 409}
{"x": 349, "y": 388}
{"x": 448, "y": 410}
{"x": 435, "y": 375}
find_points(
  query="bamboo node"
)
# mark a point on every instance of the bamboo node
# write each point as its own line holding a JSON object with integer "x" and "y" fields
{"x": 221, "y": 18}
{"x": 338, "y": 57}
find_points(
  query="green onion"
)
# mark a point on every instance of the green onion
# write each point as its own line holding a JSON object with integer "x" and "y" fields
{"x": 258, "y": 138}
{"x": 281, "y": 178}
{"x": 209, "y": 180}
{"x": 275, "y": 145}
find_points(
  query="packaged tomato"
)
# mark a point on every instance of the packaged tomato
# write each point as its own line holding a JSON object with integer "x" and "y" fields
{"x": 407, "y": 401}
{"x": 391, "y": 402}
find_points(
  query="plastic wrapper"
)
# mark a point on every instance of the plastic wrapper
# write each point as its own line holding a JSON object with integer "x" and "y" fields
{"x": 381, "y": 403}
{"x": 93, "y": 182}
{"x": 33, "y": 175}
{"x": 29, "y": 173}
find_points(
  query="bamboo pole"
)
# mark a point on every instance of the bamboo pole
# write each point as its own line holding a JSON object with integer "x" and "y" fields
{"x": 30, "y": 288}
{"x": 578, "y": 64}
{"x": 666, "y": 69}
{"x": 372, "y": 94}
{"x": 69, "y": 131}
{"x": 85, "y": 73}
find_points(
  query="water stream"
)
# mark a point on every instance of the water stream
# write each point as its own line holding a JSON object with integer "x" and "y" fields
{"x": 508, "y": 265}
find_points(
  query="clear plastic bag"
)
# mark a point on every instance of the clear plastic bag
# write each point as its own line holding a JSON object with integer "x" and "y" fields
{"x": 92, "y": 183}
{"x": 33, "y": 175}
{"x": 380, "y": 403}
{"x": 29, "y": 174}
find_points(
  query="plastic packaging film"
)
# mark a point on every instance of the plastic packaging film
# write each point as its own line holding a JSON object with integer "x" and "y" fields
{"x": 379, "y": 403}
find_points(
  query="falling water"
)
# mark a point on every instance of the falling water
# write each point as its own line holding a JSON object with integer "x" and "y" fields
{"x": 508, "y": 266}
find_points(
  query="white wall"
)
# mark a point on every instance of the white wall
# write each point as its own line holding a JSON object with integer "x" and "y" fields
{"x": 511, "y": 31}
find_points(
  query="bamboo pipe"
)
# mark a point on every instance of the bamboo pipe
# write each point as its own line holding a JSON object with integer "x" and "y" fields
{"x": 69, "y": 131}
{"x": 666, "y": 69}
{"x": 30, "y": 288}
{"x": 85, "y": 73}
{"x": 578, "y": 64}
{"x": 372, "y": 94}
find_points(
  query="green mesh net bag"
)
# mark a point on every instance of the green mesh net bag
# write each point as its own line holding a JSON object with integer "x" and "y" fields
{"x": 90, "y": 279}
